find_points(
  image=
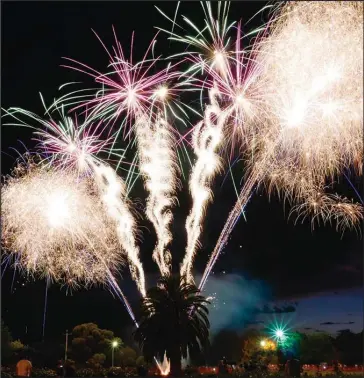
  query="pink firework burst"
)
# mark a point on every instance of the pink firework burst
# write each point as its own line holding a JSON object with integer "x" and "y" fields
{"x": 234, "y": 83}
{"x": 67, "y": 143}
{"x": 71, "y": 144}
{"x": 132, "y": 90}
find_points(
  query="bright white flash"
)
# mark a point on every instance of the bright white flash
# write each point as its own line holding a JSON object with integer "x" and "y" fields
{"x": 71, "y": 148}
{"x": 296, "y": 115}
{"x": 162, "y": 92}
{"x": 131, "y": 96}
{"x": 57, "y": 210}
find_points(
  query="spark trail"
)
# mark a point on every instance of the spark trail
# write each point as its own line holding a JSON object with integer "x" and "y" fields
{"x": 114, "y": 285}
{"x": 45, "y": 308}
{"x": 163, "y": 367}
{"x": 146, "y": 101}
{"x": 206, "y": 139}
{"x": 243, "y": 199}
{"x": 158, "y": 167}
{"x": 112, "y": 193}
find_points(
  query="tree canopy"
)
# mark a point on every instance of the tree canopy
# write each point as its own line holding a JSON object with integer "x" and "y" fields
{"x": 88, "y": 340}
{"x": 174, "y": 321}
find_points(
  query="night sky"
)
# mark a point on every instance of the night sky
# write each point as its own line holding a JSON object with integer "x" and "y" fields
{"x": 274, "y": 260}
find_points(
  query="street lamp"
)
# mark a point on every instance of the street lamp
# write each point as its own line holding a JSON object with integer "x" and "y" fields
{"x": 114, "y": 344}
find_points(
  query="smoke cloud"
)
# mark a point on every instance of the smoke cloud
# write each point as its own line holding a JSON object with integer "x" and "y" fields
{"x": 234, "y": 301}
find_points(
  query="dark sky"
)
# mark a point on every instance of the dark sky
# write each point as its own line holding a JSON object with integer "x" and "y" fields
{"x": 288, "y": 261}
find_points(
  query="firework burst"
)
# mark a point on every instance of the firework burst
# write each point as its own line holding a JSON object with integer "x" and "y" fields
{"x": 240, "y": 95}
{"x": 315, "y": 125}
{"x": 55, "y": 225}
{"x": 66, "y": 143}
{"x": 311, "y": 127}
{"x": 131, "y": 90}
{"x": 147, "y": 100}
{"x": 208, "y": 47}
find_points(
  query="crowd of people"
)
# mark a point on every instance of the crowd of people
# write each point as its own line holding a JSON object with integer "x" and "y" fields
{"x": 292, "y": 368}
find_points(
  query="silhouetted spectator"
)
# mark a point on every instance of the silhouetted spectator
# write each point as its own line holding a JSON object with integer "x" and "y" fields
{"x": 142, "y": 371}
{"x": 59, "y": 369}
{"x": 69, "y": 370}
{"x": 336, "y": 367}
{"x": 24, "y": 367}
{"x": 222, "y": 367}
{"x": 293, "y": 368}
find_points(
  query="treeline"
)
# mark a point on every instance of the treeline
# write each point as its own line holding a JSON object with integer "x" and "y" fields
{"x": 311, "y": 348}
{"x": 91, "y": 347}
{"x": 88, "y": 346}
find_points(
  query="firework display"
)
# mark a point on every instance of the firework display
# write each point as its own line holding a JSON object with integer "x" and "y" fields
{"x": 146, "y": 101}
{"x": 290, "y": 105}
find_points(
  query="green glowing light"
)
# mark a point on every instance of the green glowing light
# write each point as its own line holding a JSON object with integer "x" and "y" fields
{"x": 279, "y": 334}
{"x": 279, "y": 331}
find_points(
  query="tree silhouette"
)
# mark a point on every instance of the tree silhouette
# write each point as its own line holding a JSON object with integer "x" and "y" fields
{"x": 173, "y": 321}
{"x": 88, "y": 339}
